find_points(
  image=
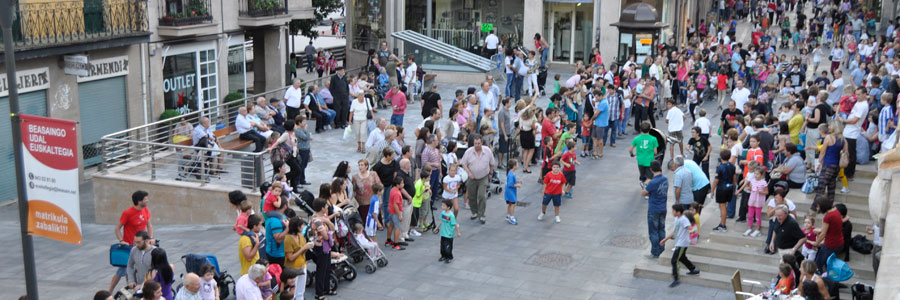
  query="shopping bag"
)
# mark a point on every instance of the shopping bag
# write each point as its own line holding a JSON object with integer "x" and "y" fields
{"x": 802, "y": 144}
{"x": 347, "y": 133}
{"x": 810, "y": 185}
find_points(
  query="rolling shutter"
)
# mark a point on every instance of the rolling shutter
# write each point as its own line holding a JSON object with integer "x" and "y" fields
{"x": 32, "y": 103}
{"x": 103, "y": 111}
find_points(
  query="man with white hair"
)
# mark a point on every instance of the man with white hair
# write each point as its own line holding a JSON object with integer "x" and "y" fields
{"x": 247, "y": 287}
{"x": 245, "y": 126}
{"x": 191, "y": 290}
{"x": 292, "y": 99}
{"x": 377, "y": 134}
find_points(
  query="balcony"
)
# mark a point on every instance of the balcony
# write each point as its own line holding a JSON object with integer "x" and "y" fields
{"x": 181, "y": 18}
{"x": 261, "y": 13}
{"x": 50, "y": 28}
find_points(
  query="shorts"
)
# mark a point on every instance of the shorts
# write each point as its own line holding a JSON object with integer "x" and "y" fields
{"x": 121, "y": 272}
{"x": 557, "y": 199}
{"x": 598, "y": 133}
{"x": 570, "y": 177}
{"x": 586, "y": 139}
{"x": 724, "y": 195}
{"x": 503, "y": 145}
{"x": 677, "y": 136}
{"x": 395, "y": 219}
{"x": 510, "y": 202}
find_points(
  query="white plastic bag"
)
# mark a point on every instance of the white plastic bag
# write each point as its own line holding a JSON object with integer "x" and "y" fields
{"x": 347, "y": 133}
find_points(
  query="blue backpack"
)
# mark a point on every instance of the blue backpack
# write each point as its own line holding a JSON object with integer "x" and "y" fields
{"x": 838, "y": 270}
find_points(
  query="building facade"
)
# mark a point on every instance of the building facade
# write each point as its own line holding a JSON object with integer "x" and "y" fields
{"x": 116, "y": 64}
{"x": 571, "y": 27}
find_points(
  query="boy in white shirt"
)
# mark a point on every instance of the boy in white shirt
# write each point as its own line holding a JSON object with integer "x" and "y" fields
{"x": 704, "y": 124}
{"x": 675, "y": 118}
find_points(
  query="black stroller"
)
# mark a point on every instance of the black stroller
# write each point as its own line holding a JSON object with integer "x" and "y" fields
{"x": 196, "y": 162}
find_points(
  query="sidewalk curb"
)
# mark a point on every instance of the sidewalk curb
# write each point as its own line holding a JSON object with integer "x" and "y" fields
{"x": 8, "y": 203}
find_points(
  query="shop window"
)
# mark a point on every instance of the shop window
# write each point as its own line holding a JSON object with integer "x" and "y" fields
{"x": 180, "y": 82}
{"x": 236, "y": 70}
{"x": 369, "y": 24}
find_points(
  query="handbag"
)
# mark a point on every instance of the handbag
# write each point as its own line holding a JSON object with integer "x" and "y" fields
{"x": 810, "y": 185}
{"x": 118, "y": 254}
{"x": 369, "y": 115}
{"x": 845, "y": 158}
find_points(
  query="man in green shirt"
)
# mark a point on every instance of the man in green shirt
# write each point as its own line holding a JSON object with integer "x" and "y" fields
{"x": 646, "y": 150}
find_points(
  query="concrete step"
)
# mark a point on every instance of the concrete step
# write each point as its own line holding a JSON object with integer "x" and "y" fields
{"x": 855, "y": 196}
{"x": 735, "y": 237}
{"x": 655, "y": 271}
{"x": 861, "y": 264}
{"x": 859, "y": 223}
{"x": 751, "y": 271}
{"x": 866, "y": 171}
{"x": 854, "y": 208}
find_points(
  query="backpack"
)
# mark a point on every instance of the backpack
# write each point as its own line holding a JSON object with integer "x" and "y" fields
{"x": 861, "y": 291}
{"x": 262, "y": 246}
{"x": 193, "y": 262}
{"x": 860, "y": 244}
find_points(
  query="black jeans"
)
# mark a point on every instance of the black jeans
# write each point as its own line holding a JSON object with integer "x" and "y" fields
{"x": 641, "y": 114}
{"x": 291, "y": 113}
{"x": 294, "y": 175}
{"x": 257, "y": 139}
{"x": 303, "y": 160}
{"x": 680, "y": 255}
{"x": 850, "y": 170}
{"x": 321, "y": 120}
{"x": 446, "y": 248}
{"x": 323, "y": 270}
{"x": 742, "y": 211}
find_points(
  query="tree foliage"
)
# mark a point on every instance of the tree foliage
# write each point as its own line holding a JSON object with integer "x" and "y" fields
{"x": 321, "y": 10}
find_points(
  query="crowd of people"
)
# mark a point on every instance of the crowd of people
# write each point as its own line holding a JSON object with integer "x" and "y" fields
{"x": 782, "y": 122}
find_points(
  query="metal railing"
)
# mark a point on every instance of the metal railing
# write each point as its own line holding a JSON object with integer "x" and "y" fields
{"x": 460, "y": 38}
{"x": 81, "y": 21}
{"x": 163, "y": 149}
{"x": 261, "y": 8}
{"x": 184, "y": 12}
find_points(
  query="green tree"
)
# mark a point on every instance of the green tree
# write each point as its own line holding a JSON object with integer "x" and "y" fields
{"x": 321, "y": 10}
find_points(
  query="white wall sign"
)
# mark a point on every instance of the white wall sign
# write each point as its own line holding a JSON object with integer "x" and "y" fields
{"x": 76, "y": 65}
{"x": 106, "y": 68}
{"x": 28, "y": 80}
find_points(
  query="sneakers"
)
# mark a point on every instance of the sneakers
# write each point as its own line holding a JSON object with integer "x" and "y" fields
{"x": 473, "y": 217}
{"x": 556, "y": 219}
{"x": 748, "y": 232}
{"x": 694, "y": 272}
{"x": 400, "y": 244}
{"x": 442, "y": 259}
{"x": 388, "y": 243}
{"x": 568, "y": 195}
{"x": 482, "y": 220}
{"x": 755, "y": 233}
{"x": 413, "y": 232}
{"x": 720, "y": 228}
{"x": 541, "y": 217}
{"x": 674, "y": 283}
{"x": 398, "y": 248}
{"x": 512, "y": 220}
{"x": 845, "y": 190}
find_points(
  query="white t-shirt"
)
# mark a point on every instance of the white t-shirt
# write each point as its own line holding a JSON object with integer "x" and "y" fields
{"x": 675, "y": 119}
{"x": 740, "y": 96}
{"x": 508, "y": 61}
{"x": 411, "y": 74}
{"x": 682, "y": 236}
{"x": 452, "y": 183}
{"x": 788, "y": 202}
{"x": 860, "y": 110}
{"x": 704, "y": 125}
{"x": 835, "y": 96}
{"x": 359, "y": 109}
{"x": 491, "y": 41}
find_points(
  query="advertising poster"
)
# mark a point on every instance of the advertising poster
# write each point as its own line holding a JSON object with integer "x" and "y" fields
{"x": 50, "y": 159}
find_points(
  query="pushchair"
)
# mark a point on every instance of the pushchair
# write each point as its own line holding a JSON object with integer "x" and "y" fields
{"x": 193, "y": 263}
{"x": 375, "y": 259}
{"x": 495, "y": 186}
{"x": 340, "y": 267}
{"x": 195, "y": 162}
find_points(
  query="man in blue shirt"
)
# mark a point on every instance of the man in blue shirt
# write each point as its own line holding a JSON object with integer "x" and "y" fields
{"x": 736, "y": 59}
{"x": 601, "y": 124}
{"x": 699, "y": 182}
{"x": 276, "y": 223}
{"x": 656, "y": 192}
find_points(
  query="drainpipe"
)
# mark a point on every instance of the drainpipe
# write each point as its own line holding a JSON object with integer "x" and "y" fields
{"x": 429, "y": 7}
{"x": 144, "y": 81}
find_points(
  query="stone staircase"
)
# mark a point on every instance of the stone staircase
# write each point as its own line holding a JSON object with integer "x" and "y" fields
{"x": 718, "y": 255}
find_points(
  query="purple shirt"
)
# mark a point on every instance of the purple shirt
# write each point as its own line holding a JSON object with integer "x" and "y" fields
{"x": 326, "y": 94}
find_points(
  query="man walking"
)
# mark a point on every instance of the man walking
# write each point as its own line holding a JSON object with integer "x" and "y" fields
{"x": 479, "y": 163}
{"x": 132, "y": 220}
{"x": 340, "y": 90}
{"x": 656, "y": 192}
{"x": 646, "y": 145}
{"x": 682, "y": 182}
{"x": 310, "y": 52}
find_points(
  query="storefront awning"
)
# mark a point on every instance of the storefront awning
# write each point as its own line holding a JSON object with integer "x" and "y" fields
{"x": 456, "y": 54}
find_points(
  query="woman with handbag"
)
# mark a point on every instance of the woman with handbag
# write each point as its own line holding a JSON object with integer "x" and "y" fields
{"x": 834, "y": 150}
{"x": 287, "y": 146}
{"x": 359, "y": 113}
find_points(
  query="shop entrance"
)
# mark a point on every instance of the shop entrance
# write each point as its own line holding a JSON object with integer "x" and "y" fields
{"x": 568, "y": 30}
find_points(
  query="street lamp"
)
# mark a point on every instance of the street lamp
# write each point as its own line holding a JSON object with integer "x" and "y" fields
{"x": 9, "y": 52}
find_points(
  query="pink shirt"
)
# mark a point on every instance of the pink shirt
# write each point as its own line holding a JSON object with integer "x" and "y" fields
{"x": 757, "y": 199}
{"x": 398, "y": 101}
{"x": 240, "y": 222}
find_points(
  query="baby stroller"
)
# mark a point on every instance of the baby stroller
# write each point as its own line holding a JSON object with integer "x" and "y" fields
{"x": 192, "y": 264}
{"x": 495, "y": 187}
{"x": 195, "y": 162}
{"x": 375, "y": 259}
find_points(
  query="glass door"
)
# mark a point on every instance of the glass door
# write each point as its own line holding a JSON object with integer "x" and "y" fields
{"x": 561, "y": 44}
{"x": 208, "y": 78}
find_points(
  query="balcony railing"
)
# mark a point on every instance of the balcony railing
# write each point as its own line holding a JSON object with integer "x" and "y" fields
{"x": 68, "y": 22}
{"x": 262, "y": 8}
{"x": 185, "y": 12}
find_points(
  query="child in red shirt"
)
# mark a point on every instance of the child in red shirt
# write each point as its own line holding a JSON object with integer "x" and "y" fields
{"x": 548, "y": 158}
{"x": 846, "y": 105}
{"x": 395, "y": 211}
{"x": 240, "y": 225}
{"x": 586, "y": 140}
{"x": 553, "y": 184}
{"x": 721, "y": 86}
{"x": 568, "y": 163}
{"x": 273, "y": 197}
